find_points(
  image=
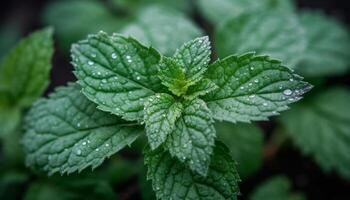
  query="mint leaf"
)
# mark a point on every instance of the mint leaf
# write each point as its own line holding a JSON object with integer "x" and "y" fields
{"x": 252, "y": 87}
{"x": 117, "y": 73}
{"x": 192, "y": 140}
{"x": 158, "y": 26}
{"x": 161, "y": 112}
{"x": 73, "y": 20}
{"x": 203, "y": 87}
{"x": 217, "y": 11}
{"x": 328, "y": 49}
{"x": 24, "y": 71}
{"x": 194, "y": 57}
{"x": 265, "y": 33}
{"x": 321, "y": 127}
{"x": 173, "y": 76}
{"x": 245, "y": 142}
{"x": 276, "y": 188}
{"x": 171, "y": 179}
{"x": 66, "y": 133}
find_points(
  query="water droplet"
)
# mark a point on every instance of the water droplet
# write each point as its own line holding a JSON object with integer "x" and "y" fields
{"x": 256, "y": 80}
{"x": 90, "y": 62}
{"x": 287, "y": 92}
{"x": 128, "y": 57}
{"x": 88, "y": 141}
{"x": 99, "y": 73}
{"x": 93, "y": 55}
{"x": 107, "y": 145}
{"x": 84, "y": 143}
{"x": 104, "y": 81}
{"x": 291, "y": 80}
{"x": 78, "y": 124}
{"x": 78, "y": 152}
{"x": 97, "y": 149}
{"x": 114, "y": 56}
{"x": 129, "y": 61}
{"x": 242, "y": 88}
{"x": 265, "y": 104}
{"x": 138, "y": 78}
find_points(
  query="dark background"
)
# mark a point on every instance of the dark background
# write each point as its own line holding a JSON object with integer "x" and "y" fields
{"x": 306, "y": 175}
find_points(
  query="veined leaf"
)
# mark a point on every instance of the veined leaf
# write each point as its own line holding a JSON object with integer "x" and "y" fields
{"x": 252, "y": 88}
{"x": 193, "y": 137}
{"x": 171, "y": 179}
{"x": 328, "y": 49}
{"x": 321, "y": 129}
{"x": 173, "y": 76}
{"x": 272, "y": 33}
{"x": 276, "y": 188}
{"x": 245, "y": 142}
{"x": 24, "y": 71}
{"x": 117, "y": 73}
{"x": 161, "y": 112}
{"x": 194, "y": 57}
{"x": 158, "y": 26}
{"x": 66, "y": 133}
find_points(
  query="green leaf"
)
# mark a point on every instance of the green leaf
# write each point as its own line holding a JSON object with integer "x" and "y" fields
{"x": 159, "y": 27}
{"x": 161, "y": 112}
{"x": 173, "y": 76}
{"x": 272, "y": 33}
{"x": 193, "y": 138}
{"x": 252, "y": 87}
{"x": 328, "y": 49}
{"x": 220, "y": 10}
{"x": 24, "y": 71}
{"x": 66, "y": 133}
{"x": 171, "y": 179}
{"x": 245, "y": 142}
{"x": 320, "y": 128}
{"x": 70, "y": 189}
{"x": 73, "y": 20}
{"x": 194, "y": 57}
{"x": 276, "y": 188}
{"x": 117, "y": 73}
{"x": 203, "y": 87}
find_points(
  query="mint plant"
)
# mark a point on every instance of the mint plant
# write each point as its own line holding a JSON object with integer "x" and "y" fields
{"x": 123, "y": 84}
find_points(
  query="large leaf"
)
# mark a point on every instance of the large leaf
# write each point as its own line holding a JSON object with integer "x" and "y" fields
{"x": 320, "y": 128}
{"x": 252, "y": 88}
{"x": 66, "y": 133}
{"x": 328, "y": 48}
{"x": 272, "y": 33}
{"x": 24, "y": 72}
{"x": 217, "y": 11}
{"x": 73, "y": 20}
{"x": 159, "y": 27}
{"x": 276, "y": 188}
{"x": 117, "y": 73}
{"x": 161, "y": 112}
{"x": 245, "y": 142}
{"x": 193, "y": 138}
{"x": 171, "y": 179}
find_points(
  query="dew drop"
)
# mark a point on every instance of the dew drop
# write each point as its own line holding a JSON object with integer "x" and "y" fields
{"x": 104, "y": 81}
{"x": 114, "y": 56}
{"x": 93, "y": 55}
{"x": 78, "y": 124}
{"x": 78, "y": 152}
{"x": 90, "y": 62}
{"x": 138, "y": 78}
{"x": 265, "y": 104}
{"x": 256, "y": 80}
{"x": 287, "y": 92}
{"x": 107, "y": 145}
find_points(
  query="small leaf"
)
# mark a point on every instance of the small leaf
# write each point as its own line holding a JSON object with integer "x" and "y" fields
{"x": 272, "y": 33}
{"x": 245, "y": 142}
{"x": 193, "y": 138}
{"x": 321, "y": 127}
{"x": 66, "y": 133}
{"x": 171, "y": 179}
{"x": 252, "y": 88}
{"x": 203, "y": 87}
{"x": 158, "y": 27}
{"x": 194, "y": 57}
{"x": 276, "y": 188}
{"x": 117, "y": 73}
{"x": 173, "y": 76}
{"x": 161, "y": 112}
{"x": 24, "y": 71}
{"x": 328, "y": 49}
